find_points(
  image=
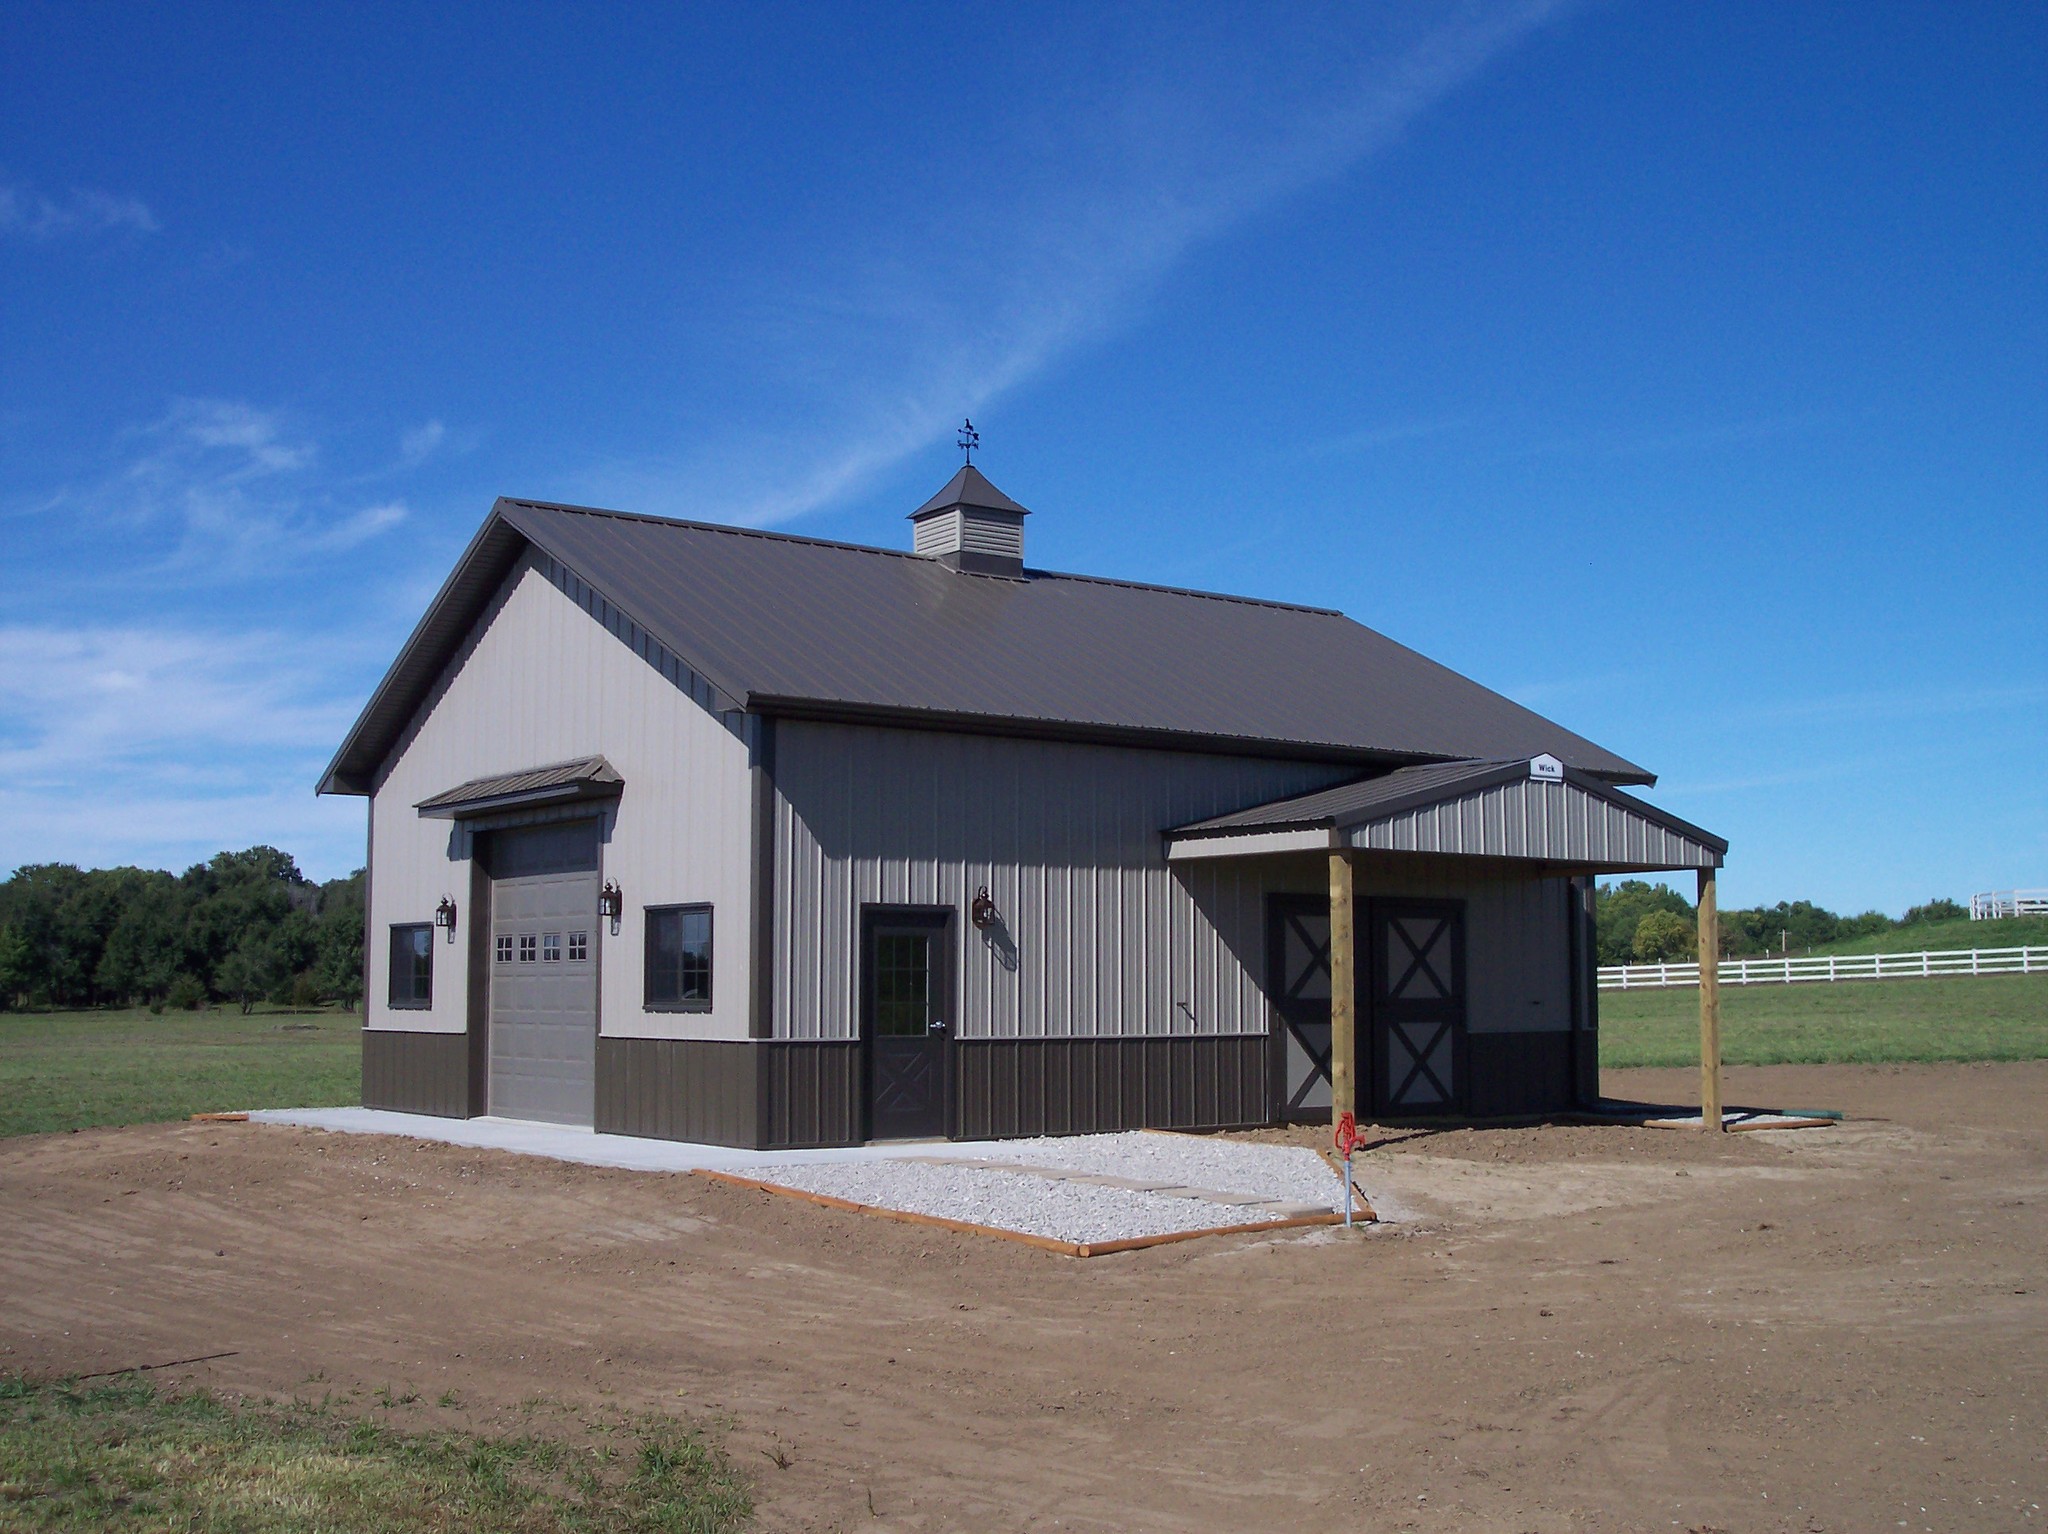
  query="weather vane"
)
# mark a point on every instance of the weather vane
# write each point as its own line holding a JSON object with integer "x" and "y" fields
{"x": 970, "y": 439}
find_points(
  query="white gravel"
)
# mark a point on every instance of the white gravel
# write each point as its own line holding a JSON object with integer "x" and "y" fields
{"x": 933, "y": 1182}
{"x": 1290, "y": 1172}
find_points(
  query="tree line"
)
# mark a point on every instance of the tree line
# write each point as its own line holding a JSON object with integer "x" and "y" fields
{"x": 242, "y": 927}
{"x": 1642, "y": 923}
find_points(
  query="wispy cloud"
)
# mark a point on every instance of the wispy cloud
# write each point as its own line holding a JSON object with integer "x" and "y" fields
{"x": 219, "y": 490}
{"x": 28, "y": 214}
{"x": 420, "y": 444}
{"x": 973, "y": 301}
{"x": 167, "y": 742}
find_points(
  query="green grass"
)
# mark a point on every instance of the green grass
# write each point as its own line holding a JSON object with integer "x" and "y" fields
{"x": 75, "y": 1070}
{"x": 1941, "y": 936}
{"x": 1991, "y": 1017}
{"x": 121, "y": 1456}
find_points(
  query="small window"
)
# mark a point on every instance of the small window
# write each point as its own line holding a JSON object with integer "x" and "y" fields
{"x": 579, "y": 946}
{"x": 504, "y": 948}
{"x": 551, "y": 948}
{"x": 528, "y": 947}
{"x": 412, "y": 966}
{"x": 679, "y": 958}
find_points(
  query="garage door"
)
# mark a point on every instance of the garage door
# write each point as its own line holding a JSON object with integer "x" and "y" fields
{"x": 543, "y": 1038}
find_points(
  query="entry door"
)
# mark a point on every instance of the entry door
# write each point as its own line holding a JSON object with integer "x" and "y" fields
{"x": 543, "y": 1025}
{"x": 907, "y": 1016}
{"x": 1417, "y": 953}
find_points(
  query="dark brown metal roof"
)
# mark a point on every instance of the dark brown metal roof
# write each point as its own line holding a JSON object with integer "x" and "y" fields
{"x": 587, "y": 777}
{"x": 970, "y": 487}
{"x": 803, "y": 627}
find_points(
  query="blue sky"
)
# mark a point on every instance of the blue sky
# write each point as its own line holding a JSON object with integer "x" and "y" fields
{"x": 1681, "y": 371}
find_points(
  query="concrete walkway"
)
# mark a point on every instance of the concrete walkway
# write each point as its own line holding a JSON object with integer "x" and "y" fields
{"x": 566, "y": 1143}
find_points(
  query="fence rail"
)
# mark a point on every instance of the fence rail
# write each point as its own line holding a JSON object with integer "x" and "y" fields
{"x": 1993, "y": 904}
{"x": 1854, "y": 966}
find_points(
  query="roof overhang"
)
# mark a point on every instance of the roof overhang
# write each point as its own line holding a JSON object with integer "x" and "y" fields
{"x": 587, "y": 778}
{"x": 1527, "y": 811}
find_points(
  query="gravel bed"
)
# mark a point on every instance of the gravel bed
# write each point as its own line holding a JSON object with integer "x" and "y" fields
{"x": 1035, "y": 1206}
{"x": 922, "y": 1182}
{"x": 1289, "y": 1172}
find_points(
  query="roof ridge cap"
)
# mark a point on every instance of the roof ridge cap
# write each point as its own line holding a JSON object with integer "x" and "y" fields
{"x": 735, "y": 531}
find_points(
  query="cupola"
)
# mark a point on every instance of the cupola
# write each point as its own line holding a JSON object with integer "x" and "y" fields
{"x": 971, "y": 525}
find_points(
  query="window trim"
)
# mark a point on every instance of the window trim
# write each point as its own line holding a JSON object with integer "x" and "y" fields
{"x": 391, "y": 997}
{"x": 682, "y": 908}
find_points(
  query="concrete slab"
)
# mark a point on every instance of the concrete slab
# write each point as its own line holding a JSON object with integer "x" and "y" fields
{"x": 565, "y": 1142}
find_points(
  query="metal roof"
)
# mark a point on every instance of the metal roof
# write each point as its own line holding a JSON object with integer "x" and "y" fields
{"x": 803, "y": 627}
{"x": 1468, "y": 809}
{"x": 970, "y": 487}
{"x": 587, "y": 777}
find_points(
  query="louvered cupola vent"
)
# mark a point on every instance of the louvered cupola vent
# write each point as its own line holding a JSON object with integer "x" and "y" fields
{"x": 971, "y": 525}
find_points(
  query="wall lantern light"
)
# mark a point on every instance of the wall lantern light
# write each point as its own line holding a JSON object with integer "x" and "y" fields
{"x": 983, "y": 911}
{"x": 611, "y": 904}
{"x": 444, "y": 917}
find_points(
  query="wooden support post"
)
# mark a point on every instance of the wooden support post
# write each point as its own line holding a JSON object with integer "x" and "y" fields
{"x": 1343, "y": 989}
{"x": 1710, "y": 1005}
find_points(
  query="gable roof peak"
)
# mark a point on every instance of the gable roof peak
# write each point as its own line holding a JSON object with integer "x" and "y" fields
{"x": 970, "y": 487}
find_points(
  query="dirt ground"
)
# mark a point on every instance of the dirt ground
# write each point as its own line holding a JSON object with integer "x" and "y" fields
{"x": 1569, "y": 1328}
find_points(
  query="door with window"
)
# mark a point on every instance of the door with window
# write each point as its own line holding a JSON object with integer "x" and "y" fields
{"x": 543, "y": 1019}
{"x": 1416, "y": 954}
{"x": 906, "y": 1022}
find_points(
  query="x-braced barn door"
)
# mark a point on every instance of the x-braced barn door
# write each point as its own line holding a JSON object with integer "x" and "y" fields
{"x": 1298, "y": 982}
{"x": 1417, "y": 990}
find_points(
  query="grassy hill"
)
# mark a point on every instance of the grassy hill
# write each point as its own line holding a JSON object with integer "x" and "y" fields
{"x": 1938, "y": 936}
{"x": 1964, "y": 1017}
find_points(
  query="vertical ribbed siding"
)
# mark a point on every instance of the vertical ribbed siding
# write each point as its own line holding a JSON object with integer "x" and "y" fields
{"x": 1009, "y": 1087}
{"x": 1556, "y": 822}
{"x": 416, "y": 1072}
{"x": 1099, "y": 937}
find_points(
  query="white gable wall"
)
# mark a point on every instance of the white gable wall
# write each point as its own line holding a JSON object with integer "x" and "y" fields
{"x": 542, "y": 681}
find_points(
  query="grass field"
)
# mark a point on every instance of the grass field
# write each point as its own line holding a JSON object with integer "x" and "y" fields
{"x": 1992, "y": 1017}
{"x": 75, "y": 1070}
{"x": 121, "y": 1456}
{"x": 1941, "y": 936}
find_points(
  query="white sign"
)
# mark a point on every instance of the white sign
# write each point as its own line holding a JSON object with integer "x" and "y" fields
{"x": 1548, "y": 768}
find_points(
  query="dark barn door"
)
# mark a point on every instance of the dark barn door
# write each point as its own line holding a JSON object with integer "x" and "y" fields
{"x": 1298, "y": 984}
{"x": 906, "y": 1007}
{"x": 1416, "y": 953}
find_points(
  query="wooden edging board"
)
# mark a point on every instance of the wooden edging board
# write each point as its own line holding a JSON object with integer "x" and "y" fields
{"x": 220, "y": 1118}
{"x": 1044, "y": 1243}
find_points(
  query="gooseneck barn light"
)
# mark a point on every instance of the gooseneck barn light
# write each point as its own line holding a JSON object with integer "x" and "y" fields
{"x": 611, "y": 904}
{"x": 983, "y": 912}
{"x": 444, "y": 917}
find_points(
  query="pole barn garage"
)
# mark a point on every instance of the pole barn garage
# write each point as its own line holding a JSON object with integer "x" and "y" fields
{"x": 711, "y": 834}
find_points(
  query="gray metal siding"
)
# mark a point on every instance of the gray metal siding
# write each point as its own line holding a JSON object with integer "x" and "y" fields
{"x": 1098, "y": 935}
{"x": 1517, "y": 937}
{"x": 1553, "y": 822}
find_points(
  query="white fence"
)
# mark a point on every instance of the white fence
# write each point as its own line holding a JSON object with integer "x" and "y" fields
{"x": 1996, "y": 903}
{"x": 1857, "y": 966}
